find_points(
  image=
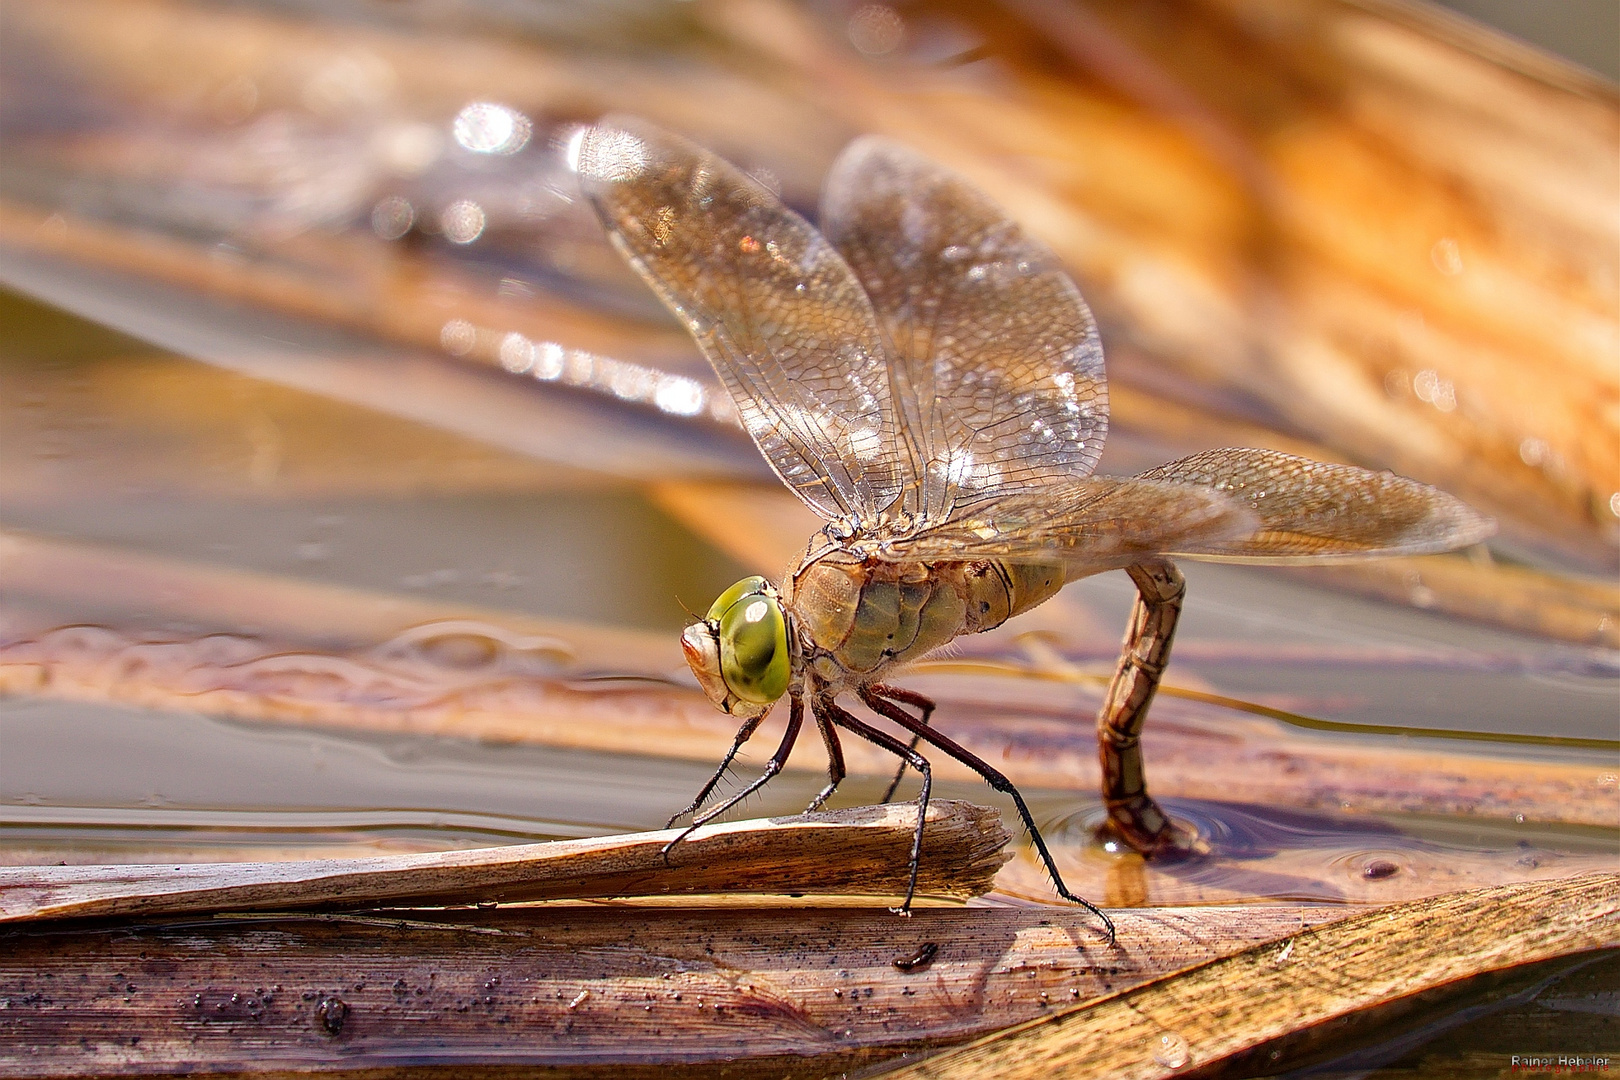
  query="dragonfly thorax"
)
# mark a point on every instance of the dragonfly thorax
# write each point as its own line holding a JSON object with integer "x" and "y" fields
{"x": 872, "y": 539}
{"x": 855, "y": 618}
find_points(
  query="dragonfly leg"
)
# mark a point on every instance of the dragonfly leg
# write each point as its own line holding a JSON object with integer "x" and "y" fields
{"x": 825, "y": 704}
{"x": 996, "y": 780}
{"x": 772, "y": 767}
{"x": 744, "y": 733}
{"x": 925, "y": 710}
{"x": 1132, "y": 814}
{"x": 835, "y": 762}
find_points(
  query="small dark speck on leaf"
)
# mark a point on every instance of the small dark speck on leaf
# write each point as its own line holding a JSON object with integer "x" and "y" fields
{"x": 918, "y": 960}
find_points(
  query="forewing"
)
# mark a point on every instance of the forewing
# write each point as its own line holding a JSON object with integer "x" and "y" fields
{"x": 1311, "y": 510}
{"x": 772, "y": 305}
{"x": 998, "y": 368}
{"x": 1089, "y": 524}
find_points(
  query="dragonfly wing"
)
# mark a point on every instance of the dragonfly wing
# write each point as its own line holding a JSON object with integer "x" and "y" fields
{"x": 772, "y": 305}
{"x": 1312, "y": 510}
{"x": 1089, "y": 524}
{"x": 998, "y": 367}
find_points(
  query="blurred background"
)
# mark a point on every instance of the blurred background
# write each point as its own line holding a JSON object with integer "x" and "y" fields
{"x": 351, "y": 487}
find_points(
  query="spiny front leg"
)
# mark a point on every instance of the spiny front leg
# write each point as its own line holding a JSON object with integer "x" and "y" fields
{"x": 1133, "y": 816}
{"x": 744, "y": 733}
{"x": 772, "y": 767}
{"x": 925, "y": 710}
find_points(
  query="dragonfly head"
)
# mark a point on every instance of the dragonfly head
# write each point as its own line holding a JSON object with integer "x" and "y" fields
{"x": 739, "y": 651}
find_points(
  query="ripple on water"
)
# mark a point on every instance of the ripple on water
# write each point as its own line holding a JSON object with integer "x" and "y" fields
{"x": 1243, "y": 852}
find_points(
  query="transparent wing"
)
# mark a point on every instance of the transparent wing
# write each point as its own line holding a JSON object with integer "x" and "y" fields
{"x": 1089, "y": 524}
{"x": 774, "y": 308}
{"x": 998, "y": 368}
{"x": 1313, "y": 511}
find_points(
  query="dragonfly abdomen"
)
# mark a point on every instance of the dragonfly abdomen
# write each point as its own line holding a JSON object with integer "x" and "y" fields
{"x": 999, "y": 590}
{"x": 861, "y": 617}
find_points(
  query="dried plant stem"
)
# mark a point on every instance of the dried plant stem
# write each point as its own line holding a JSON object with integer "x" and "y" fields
{"x": 1208, "y": 1014}
{"x": 860, "y": 850}
{"x": 583, "y": 990}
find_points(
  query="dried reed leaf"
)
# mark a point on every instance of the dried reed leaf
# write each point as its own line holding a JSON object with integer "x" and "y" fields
{"x": 1208, "y": 1014}
{"x": 861, "y": 850}
{"x": 599, "y": 991}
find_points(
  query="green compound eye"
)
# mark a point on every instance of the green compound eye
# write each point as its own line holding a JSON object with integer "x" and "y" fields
{"x": 753, "y": 645}
{"x": 732, "y": 595}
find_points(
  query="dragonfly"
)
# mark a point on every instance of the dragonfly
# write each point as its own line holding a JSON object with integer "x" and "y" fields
{"x": 926, "y": 377}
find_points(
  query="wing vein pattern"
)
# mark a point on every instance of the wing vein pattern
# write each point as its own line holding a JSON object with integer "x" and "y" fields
{"x": 1313, "y": 511}
{"x": 997, "y": 366}
{"x": 772, "y": 305}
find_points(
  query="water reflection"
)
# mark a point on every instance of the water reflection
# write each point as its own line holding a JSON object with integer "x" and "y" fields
{"x": 547, "y": 361}
{"x": 876, "y": 29}
{"x": 1247, "y": 851}
{"x": 255, "y": 790}
{"x": 462, "y": 221}
{"x": 487, "y": 128}
{"x": 181, "y": 792}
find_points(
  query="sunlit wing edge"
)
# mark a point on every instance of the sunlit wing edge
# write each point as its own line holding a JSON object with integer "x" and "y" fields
{"x": 1090, "y": 524}
{"x": 1319, "y": 512}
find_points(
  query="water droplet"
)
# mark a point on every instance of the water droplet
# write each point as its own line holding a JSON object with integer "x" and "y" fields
{"x": 1171, "y": 1050}
{"x": 516, "y": 353}
{"x": 392, "y": 217}
{"x": 1446, "y": 256}
{"x": 1533, "y": 451}
{"x": 679, "y": 395}
{"x": 876, "y": 29}
{"x": 458, "y": 336}
{"x": 487, "y": 128}
{"x": 330, "y": 1015}
{"x": 462, "y": 221}
{"x": 1431, "y": 387}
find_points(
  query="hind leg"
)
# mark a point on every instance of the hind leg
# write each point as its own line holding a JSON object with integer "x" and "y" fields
{"x": 1133, "y": 816}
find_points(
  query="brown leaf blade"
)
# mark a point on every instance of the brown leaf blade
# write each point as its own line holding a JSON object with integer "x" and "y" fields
{"x": 859, "y": 850}
{"x": 609, "y": 991}
{"x": 1206, "y": 1014}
